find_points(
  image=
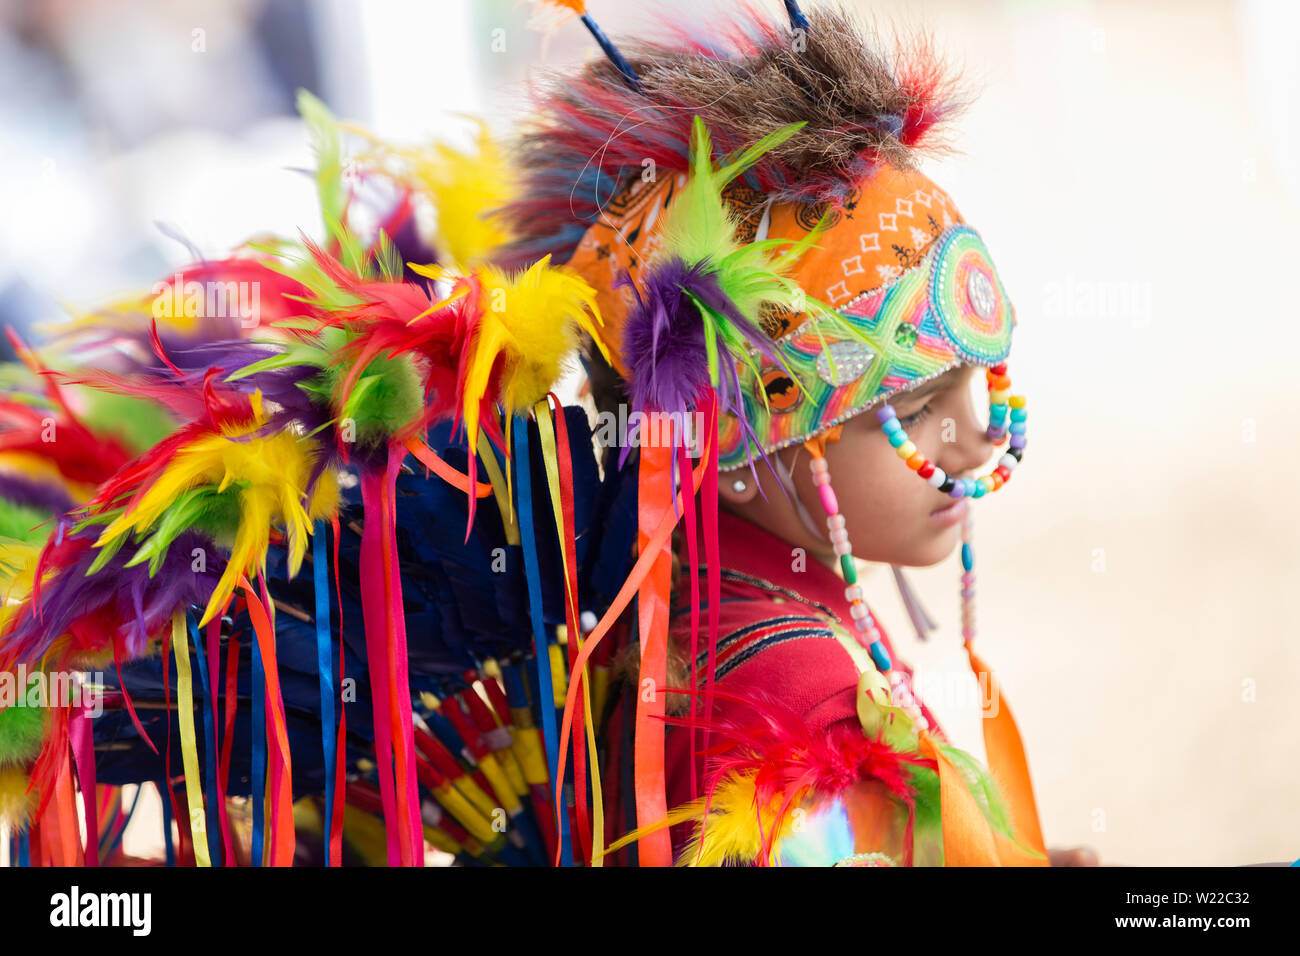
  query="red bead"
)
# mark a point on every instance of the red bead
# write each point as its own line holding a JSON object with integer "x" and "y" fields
{"x": 926, "y": 470}
{"x": 1004, "y": 471}
{"x": 999, "y": 369}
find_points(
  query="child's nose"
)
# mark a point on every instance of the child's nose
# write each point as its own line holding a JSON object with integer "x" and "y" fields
{"x": 969, "y": 448}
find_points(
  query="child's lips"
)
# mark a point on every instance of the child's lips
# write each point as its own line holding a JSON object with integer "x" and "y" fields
{"x": 949, "y": 514}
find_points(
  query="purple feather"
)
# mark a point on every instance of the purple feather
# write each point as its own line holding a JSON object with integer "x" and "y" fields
{"x": 663, "y": 337}
{"x": 142, "y": 604}
{"x": 35, "y": 494}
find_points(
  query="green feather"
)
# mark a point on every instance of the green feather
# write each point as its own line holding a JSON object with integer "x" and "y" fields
{"x": 21, "y": 732}
{"x": 927, "y": 830}
{"x": 202, "y": 509}
{"x": 28, "y": 525}
{"x": 323, "y": 130}
{"x": 386, "y": 397}
{"x": 106, "y": 551}
{"x": 981, "y": 787}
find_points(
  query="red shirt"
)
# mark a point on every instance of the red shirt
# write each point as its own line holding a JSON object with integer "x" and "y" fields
{"x": 775, "y": 634}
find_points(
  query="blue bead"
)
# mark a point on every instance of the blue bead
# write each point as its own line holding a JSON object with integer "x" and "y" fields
{"x": 980, "y": 490}
{"x": 891, "y": 426}
{"x": 880, "y": 656}
{"x": 999, "y": 413}
{"x": 967, "y": 557}
{"x": 1017, "y": 428}
{"x": 898, "y": 438}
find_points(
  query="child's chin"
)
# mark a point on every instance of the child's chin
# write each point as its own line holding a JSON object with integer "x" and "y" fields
{"x": 934, "y": 547}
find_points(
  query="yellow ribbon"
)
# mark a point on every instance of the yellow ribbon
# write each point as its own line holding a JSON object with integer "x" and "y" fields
{"x": 546, "y": 431}
{"x": 499, "y": 488}
{"x": 189, "y": 753}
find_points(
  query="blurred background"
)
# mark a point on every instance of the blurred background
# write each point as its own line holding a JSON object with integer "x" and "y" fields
{"x": 1135, "y": 168}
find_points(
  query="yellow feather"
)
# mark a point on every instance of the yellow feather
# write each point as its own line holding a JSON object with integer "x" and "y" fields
{"x": 733, "y": 833}
{"x": 460, "y": 186}
{"x": 17, "y": 575}
{"x": 530, "y": 322}
{"x": 251, "y": 541}
{"x": 15, "y": 801}
{"x": 271, "y": 472}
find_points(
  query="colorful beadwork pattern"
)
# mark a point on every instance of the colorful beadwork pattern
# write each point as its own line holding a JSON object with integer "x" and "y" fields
{"x": 948, "y": 309}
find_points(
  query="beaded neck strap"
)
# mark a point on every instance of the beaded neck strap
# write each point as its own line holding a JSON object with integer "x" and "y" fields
{"x": 865, "y": 628}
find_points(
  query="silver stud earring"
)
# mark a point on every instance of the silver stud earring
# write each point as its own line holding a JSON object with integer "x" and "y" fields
{"x": 738, "y": 486}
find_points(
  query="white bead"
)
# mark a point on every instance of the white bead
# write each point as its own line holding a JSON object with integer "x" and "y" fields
{"x": 937, "y": 478}
{"x": 841, "y": 547}
{"x": 1009, "y": 462}
{"x": 859, "y": 612}
{"x": 835, "y": 522}
{"x": 818, "y": 464}
{"x": 854, "y": 593}
{"x": 587, "y": 621}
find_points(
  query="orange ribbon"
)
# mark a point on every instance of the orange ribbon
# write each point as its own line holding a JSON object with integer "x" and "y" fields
{"x": 429, "y": 458}
{"x": 1005, "y": 755}
{"x": 649, "y": 553}
{"x": 282, "y": 837}
{"x": 967, "y": 837}
{"x": 654, "y": 505}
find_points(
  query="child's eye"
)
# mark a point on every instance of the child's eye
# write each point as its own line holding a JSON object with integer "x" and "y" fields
{"x": 915, "y": 417}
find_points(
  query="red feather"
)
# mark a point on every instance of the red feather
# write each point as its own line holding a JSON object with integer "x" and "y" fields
{"x": 762, "y": 736}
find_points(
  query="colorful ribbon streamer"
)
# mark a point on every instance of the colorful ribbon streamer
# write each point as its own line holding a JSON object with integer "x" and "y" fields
{"x": 212, "y": 796}
{"x": 321, "y": 583}
{"x": 559, "y": 478}
{"x": 189, "y": 754}
{"x": 541, "y": 648}
{"x": 1005, "y": 754}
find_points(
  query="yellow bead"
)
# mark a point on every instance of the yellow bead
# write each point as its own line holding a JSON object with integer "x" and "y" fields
{"x": 1017, "y": 401}
{"x": 999, "y": 397}
{"x": 906, "y": 450}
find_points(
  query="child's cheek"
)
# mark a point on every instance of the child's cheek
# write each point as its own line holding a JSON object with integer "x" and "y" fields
{"x": 884, "y": 503}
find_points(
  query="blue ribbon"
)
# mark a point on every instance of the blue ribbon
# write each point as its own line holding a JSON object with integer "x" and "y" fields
{"x": 168, "y": 850}
{"x": 324, "y": 664}
{"x": 209, "y": 749}
{"x": 259, "y": 754}
{"x": 541, "y": 649}
{"x": 24, "y": 850}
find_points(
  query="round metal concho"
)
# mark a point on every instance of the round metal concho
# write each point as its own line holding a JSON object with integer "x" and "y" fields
{"x": 983, "y": 297}
{"x": 852, "y": 359}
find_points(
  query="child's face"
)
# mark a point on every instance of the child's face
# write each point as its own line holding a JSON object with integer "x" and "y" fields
{"x": 892, "y": 515}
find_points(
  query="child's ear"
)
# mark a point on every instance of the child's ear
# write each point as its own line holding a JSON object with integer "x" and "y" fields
{"x": 737, "y": 487}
